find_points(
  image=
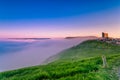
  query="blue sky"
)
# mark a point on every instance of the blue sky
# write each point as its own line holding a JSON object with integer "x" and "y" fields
{"x": 59, "y": 18}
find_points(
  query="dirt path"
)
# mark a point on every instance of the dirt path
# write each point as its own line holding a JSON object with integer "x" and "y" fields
{"x": 119, "y": 73}
{"x": 118, "y": 68}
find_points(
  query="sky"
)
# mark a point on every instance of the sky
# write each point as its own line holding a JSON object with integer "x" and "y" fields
{"x": 59, "y": 18}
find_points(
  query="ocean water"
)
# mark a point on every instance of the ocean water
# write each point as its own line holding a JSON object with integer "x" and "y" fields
{"x": 17, "y": 54}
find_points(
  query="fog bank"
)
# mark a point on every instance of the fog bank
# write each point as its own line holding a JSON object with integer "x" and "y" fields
{"x": 15, "y": 55}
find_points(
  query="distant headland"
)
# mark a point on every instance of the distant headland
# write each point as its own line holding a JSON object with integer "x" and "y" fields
{"x": 80, "y": 37}
{"x": 29, "y": 38}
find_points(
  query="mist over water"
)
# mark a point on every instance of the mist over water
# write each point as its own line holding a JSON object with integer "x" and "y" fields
{"x": 18, "y": 54}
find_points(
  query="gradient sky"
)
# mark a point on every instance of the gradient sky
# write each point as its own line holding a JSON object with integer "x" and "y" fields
{"x": 59, "y": 18}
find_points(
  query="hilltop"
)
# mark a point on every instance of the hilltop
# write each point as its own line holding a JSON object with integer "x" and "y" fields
{"x": 81, "y": 62}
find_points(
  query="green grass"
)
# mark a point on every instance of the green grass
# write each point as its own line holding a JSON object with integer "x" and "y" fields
{"x": 81, "y": 62}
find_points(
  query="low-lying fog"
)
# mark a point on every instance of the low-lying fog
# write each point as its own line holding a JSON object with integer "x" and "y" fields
{"x": 18, "y": 54}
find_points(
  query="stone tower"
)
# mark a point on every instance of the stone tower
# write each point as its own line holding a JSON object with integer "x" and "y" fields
{"x": 104, "y": 35}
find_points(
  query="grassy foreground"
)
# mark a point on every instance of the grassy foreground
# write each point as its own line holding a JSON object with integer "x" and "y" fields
{"x": 81, "y": 62}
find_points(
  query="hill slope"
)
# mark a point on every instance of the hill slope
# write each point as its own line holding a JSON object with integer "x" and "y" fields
{"x": 81, "y": 62}
{"x": 86, "y": 49}
{"x": 90, "y": 48}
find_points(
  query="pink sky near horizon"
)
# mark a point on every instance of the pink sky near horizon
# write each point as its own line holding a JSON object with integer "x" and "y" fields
{"x": 113, "y": 30}
{"x": 30, "y": 34}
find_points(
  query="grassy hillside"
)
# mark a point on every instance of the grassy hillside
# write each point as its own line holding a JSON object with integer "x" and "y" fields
{"x": 90, "y": 48}
{"x": 81, "y": 62}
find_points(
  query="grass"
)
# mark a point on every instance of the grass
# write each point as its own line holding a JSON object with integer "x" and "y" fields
{"x": 81, "y": 62}
{"x": 90, "y": 48}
